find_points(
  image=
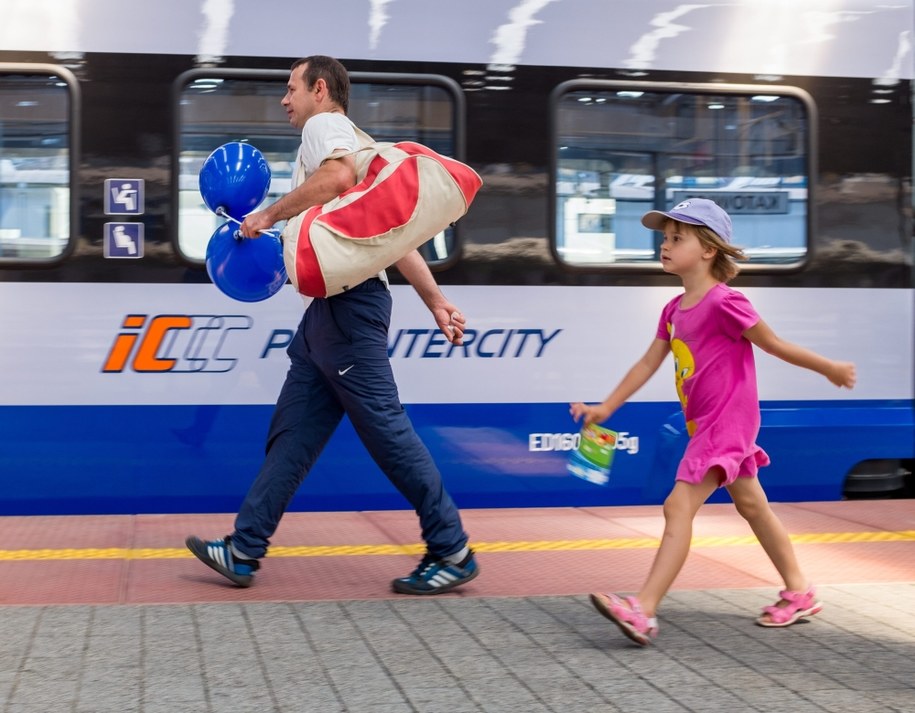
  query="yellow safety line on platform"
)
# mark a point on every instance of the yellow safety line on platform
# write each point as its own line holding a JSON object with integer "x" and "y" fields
{"x": 622, "y": 543}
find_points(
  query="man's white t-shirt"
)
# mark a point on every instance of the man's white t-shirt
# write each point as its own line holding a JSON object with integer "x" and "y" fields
{"x": 325, "y": 136}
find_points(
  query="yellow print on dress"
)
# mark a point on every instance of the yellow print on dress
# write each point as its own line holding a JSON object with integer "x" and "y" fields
{"x": 684, "y": 368}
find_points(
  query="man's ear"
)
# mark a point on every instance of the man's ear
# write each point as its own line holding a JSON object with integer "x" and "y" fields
{"x": 320, "y": 87}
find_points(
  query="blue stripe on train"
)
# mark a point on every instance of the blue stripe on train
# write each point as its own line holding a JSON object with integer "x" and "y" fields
{"x": 172, "y": 459}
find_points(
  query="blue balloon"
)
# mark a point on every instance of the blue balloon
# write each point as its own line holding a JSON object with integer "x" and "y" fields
{"x": 245, "y": 269}
{"x": 234, "y": 178}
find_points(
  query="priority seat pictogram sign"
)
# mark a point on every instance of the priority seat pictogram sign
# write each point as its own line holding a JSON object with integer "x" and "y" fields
{"x": 123, "y": 240}
{"x": 124, "y": 196}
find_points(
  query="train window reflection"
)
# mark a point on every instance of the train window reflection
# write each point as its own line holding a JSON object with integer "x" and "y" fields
{"x": 215, "y": 108}
{"x": 35, "y": 162}
{"x": 621, "y": 150}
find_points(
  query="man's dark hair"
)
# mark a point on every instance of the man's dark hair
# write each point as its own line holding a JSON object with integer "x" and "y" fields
{"x": 331, "y": 71}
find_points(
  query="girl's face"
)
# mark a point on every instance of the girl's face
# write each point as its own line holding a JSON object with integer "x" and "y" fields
{"x": 682, "y": 253}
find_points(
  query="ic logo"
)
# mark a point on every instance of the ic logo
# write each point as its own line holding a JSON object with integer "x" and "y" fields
{"x": 174, "y": 343}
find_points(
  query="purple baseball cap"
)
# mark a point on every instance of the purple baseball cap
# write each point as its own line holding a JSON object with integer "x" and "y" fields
{"x": 693, "y": 211}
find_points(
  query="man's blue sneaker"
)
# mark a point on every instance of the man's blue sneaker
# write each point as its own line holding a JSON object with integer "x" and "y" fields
{"x": 435, "y": 575}
{"x": 218, "y": 555}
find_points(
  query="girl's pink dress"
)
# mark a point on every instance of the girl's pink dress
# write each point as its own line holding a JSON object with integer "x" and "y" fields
{"x": 716, "y": 382}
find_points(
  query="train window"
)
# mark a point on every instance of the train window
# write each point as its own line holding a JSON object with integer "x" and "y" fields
{"x": 622, "y": 148}
{"x": 36, "y": 155}
{"x": 218, "y": 106}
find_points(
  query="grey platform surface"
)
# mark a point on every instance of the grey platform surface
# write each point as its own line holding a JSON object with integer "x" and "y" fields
{"x": 453, "y": 654}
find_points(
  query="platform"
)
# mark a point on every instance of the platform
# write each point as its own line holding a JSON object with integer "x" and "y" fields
{"x": 113, "y": 614}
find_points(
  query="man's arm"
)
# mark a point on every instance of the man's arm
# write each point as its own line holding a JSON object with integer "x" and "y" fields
{"x": 447, "y": 316}
{"x": 332, "y": 178}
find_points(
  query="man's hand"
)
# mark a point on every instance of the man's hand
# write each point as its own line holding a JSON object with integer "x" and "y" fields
{"x": 447, "y": 316}
{"x": 254, "y": 223}
{"x": 451, "y": 322}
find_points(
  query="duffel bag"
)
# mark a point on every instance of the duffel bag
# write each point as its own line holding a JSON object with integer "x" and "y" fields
{"x": 405, "y": 194}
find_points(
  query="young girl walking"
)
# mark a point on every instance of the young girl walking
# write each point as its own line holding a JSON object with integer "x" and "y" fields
{"x": 711, "y": 330}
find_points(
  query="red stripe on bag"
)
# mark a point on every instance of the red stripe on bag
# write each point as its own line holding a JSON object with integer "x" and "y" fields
{"x": 375, "y": 167}
{"x": 310, "y": 280}
{"x": 468, "y": 181}
{"x": 392, "y": 203}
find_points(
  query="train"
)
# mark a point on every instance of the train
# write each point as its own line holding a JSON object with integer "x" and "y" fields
{"x": 130, "y": 384}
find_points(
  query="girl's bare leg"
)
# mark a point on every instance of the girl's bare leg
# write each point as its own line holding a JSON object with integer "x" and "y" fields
{"x": 753, "y": 505}
{"x": 680, "y": 509}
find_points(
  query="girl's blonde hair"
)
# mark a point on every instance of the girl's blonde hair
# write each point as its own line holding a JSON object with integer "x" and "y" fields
{"x": 724, "y": 267}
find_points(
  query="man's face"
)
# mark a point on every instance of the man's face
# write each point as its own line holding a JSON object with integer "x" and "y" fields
{"x": 300, "y": 102}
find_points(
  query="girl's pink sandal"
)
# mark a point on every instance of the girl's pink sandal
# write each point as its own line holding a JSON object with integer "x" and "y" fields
{"x": 800, "y": 605}
{"x": 628, "y": 616}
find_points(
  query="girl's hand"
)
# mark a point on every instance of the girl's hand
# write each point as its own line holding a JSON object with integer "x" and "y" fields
{"x": 591, "y": 414}
{"x": 842, "y": 373}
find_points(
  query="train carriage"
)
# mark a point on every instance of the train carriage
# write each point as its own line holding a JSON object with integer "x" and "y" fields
{"x": 130, "y": 384}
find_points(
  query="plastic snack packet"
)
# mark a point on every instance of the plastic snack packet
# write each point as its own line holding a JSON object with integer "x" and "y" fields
{"x": 593, "y": 458}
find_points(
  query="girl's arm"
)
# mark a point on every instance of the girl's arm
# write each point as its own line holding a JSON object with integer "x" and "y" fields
{"x": 634, "y": 380}
{"x": 840, "y": 373}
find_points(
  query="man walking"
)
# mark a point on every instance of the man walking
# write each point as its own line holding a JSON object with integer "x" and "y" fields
{"x": 340, "y": 365}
